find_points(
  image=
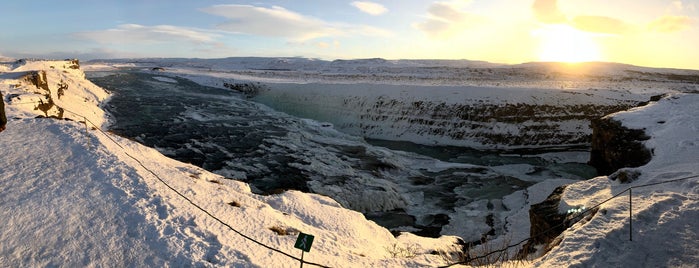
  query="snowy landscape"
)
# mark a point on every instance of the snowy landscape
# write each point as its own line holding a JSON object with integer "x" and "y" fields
{"x": 373, "y": 139}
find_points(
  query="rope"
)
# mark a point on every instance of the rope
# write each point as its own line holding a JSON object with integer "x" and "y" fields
{"x": 28, "y": 102}
{"x": 576, "y": 218}
{"x": 189, "y": 200}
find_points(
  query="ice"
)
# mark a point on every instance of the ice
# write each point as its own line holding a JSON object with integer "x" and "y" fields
{"x": 165, "y": 79}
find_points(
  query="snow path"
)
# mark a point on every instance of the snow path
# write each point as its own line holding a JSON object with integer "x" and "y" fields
{"x": 70, "y": 204}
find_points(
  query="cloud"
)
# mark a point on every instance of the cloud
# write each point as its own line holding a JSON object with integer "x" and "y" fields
{"x": 446, "y": 18}
{"x": 275, "y": 21}
{"x": 667, "y": 24}
{"x": 547, "y": 11}
{"x": 324, "y": 45}
{"x": 83, "y": 54}
{"x": 370, "y": 8}
{"x": 681, "y": 6}
{"x": 600, "y": 24}
{"x": 135, "y": 33}
{"x": 280, "y": 22}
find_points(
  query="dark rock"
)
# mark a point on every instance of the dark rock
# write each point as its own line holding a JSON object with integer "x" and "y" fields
{"x": 546, "y": 221}
{"x": 625, "y": 175}
{"x": 434, "y": 228}
{"x": 653, "y": 99}
{"x": 249, "y": 89}
{"x": 615, "y": 146}
{"x": 38, "y": 79}
{"x": 73, "y": 64}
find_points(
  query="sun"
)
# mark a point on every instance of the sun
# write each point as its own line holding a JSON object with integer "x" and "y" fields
{"x": 563, "y": 43}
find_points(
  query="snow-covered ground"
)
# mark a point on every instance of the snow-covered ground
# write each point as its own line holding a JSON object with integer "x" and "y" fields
{"x": 664, "y": 230}
{"x": 74, "y": 196}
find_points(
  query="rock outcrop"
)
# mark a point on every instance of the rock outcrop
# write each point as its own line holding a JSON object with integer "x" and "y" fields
{"x": 614, "y": 150}
{"x": 46, "y": 104}
{"x": 615, "y": 146}
{"x": 38, "y": 79}
{"x": 548, "y": 222}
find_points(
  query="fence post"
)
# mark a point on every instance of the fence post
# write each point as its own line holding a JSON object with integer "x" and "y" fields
{"x": 301, "y": 258}
{"x": 630, "y": 216}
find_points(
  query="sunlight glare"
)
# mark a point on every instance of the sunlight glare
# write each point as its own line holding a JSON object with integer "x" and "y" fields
{"x": 563, "y": 43}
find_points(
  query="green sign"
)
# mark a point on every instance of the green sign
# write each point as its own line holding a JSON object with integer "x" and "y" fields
{"x": 304, "y": 242}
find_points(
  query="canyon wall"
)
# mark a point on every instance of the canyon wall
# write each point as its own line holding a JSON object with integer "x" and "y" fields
{"x": 476, "y": 117}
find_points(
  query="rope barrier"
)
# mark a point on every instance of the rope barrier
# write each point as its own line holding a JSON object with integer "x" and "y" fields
{"x": 140, "y": 163}
{"x": 28, "y": 102}
{"x": 576, "y": 218}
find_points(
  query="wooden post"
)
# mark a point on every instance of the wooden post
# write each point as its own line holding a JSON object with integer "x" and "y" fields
{"x": 630, "y": 216}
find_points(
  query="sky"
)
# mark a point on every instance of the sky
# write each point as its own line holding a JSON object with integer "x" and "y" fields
{"x": 654, "y": 33}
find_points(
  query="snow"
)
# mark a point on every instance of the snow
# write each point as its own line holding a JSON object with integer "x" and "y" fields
{"x": 664, "y": 218}
{"x": 74, "y": 197}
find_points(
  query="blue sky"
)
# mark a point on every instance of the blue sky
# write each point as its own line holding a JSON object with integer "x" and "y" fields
{"x": 661, "y": 33}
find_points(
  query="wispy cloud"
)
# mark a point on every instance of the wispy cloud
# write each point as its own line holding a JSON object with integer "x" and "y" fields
{"x": 280, "y": 22}
{"x": 370, "y": 8}
{"x": 276, "y": 21}
{"x": 667, "y": 24}
{"x": 160, "y": 40}
{"x": 680, "y": 5}
{"x": 547, "y": 11}
{"x": 600, "y": 24}
{"x": 135, "y": 33}
{"x": 85, "y": 54}
{"x": 445, "y": 19}
{"x": 324, "y": 45}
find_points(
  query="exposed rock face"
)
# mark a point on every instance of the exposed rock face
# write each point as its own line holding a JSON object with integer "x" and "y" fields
{"x": 490, "y": 125}
{"x": 46, "y": 105}
{"x": 38, "y": 79}
{"x": 546, "y": 221}
{"x": 475, "y": 117}
{"x": 73, "y": 64}
{"x": 615, "y": 146}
